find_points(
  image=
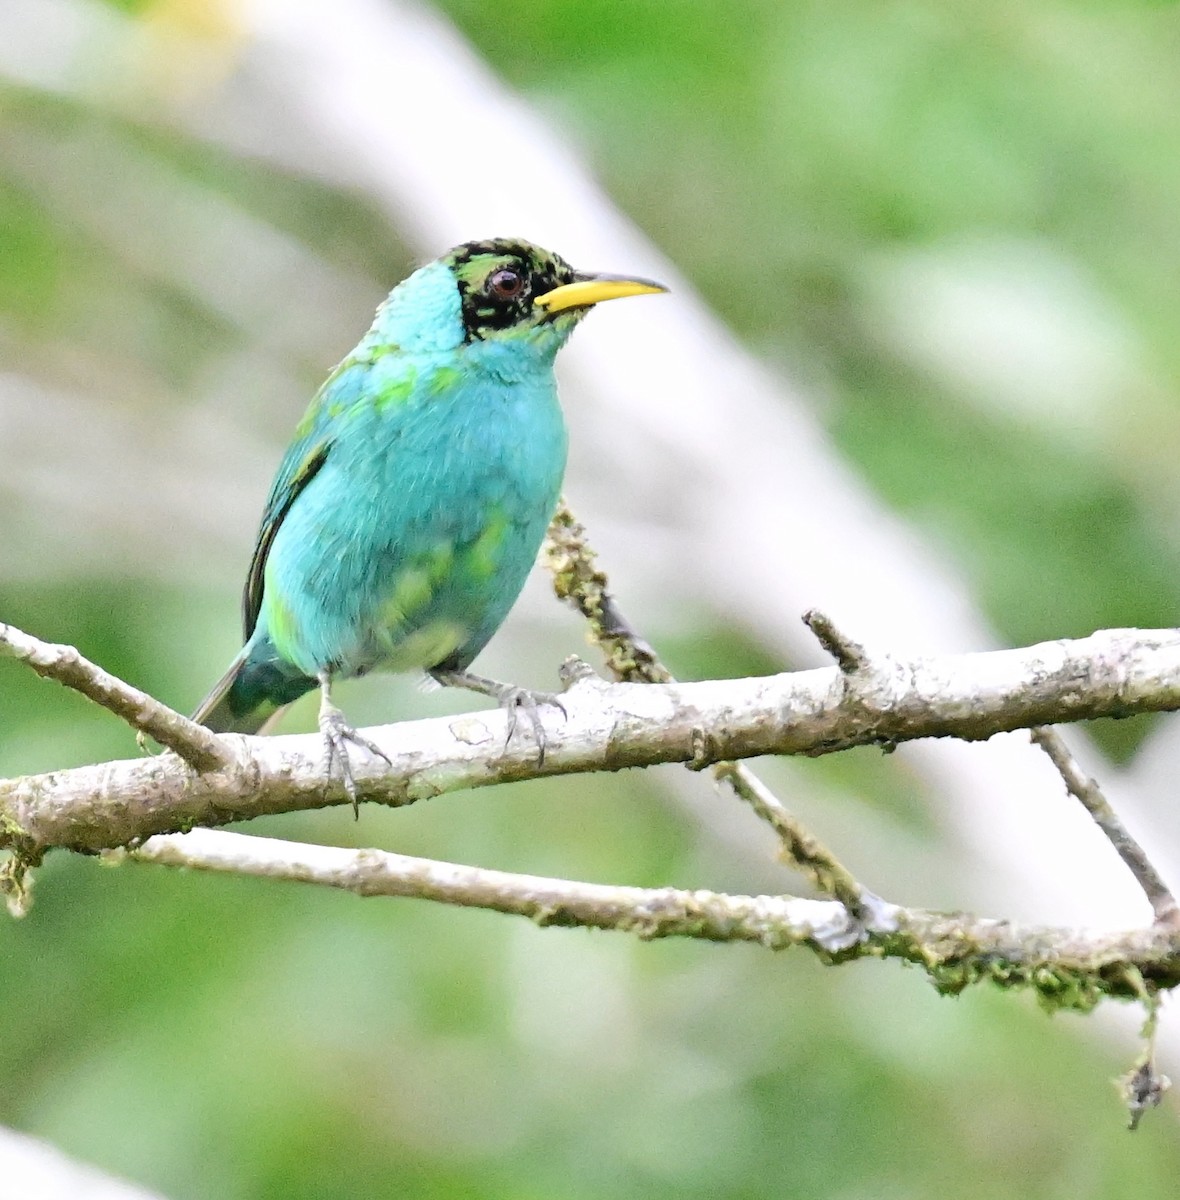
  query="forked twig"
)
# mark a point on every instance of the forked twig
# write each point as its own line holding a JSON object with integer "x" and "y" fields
{"x": 578, "y": 580}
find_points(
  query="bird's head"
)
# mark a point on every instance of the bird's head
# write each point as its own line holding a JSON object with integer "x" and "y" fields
{"x": 511, "y": 290}
{"x": 495, "y": 298}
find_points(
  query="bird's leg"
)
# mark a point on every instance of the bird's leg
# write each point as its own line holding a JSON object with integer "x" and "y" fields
{"x": 337, "y": 734}
{"x": 509, "y": 697}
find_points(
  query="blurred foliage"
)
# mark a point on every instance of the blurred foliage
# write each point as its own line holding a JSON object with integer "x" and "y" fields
{"x": 816, "y": 170}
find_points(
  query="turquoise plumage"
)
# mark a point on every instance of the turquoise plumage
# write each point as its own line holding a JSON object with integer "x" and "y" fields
{"x": 405, "y": 516}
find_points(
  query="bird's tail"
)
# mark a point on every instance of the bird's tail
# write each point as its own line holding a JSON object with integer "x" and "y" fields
{"x": 250, "y": 693}
{"x": 222, "y": 710}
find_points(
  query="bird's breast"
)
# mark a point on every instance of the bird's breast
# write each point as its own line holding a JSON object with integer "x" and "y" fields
{"x": 467, "y": 438}
{"x": 417, "y": 534}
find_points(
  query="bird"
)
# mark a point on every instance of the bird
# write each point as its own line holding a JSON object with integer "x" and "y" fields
{"x": 408, "y": 510}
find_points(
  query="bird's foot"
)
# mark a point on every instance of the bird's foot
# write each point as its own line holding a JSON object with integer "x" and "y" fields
{"x": 513, "y": 699}
{"x": 337, "y": 734}
{"x": 510, "y": 697}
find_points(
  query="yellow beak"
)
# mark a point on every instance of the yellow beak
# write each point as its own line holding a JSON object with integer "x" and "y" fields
{"x": 594, "y": 289}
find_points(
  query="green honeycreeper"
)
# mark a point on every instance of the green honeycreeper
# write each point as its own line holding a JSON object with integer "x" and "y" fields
{"x": 408, "y": 511}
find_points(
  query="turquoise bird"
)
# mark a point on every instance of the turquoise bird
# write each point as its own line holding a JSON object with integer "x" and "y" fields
{"x": 408, "y": 511}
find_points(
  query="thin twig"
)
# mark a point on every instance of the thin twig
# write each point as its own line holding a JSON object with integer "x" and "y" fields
{"x": 850, "y": 655}
{"x": 1067, "y": 968}
{"x": 198, "y": 747}
{"x": 1087, "y": 791}
{"x": 799, "y": 847}
{"x": 650, "y": 912}
{"x": 578, "y": 580}
{"x": 1143, "y": 1087}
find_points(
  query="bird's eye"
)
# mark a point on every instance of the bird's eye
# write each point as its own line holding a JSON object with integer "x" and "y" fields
{"x": 506, "y": 284}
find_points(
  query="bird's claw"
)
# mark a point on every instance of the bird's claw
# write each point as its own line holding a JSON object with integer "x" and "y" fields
{"x": 337, "y": 734}
{"x": 512, "y": 699}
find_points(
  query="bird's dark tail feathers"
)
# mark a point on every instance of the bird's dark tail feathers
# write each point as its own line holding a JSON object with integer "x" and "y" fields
{"x": 219, "y": 710}
{"x": 250, "y": 693}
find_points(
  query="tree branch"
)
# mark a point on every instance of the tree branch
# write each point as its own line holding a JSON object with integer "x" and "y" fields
{"x": 1087, "y": 791}
{"x": 650, "y": 912}
{"x": 1067, "y": 968}
{"x": 609, "y": 727}
{"x": 195, "y": 744}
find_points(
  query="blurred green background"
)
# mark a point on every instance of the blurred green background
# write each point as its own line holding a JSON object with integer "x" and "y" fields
{"x": 957, "y": 227}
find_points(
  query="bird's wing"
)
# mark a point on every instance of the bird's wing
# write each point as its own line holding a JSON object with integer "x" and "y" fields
{"x": 305, "y": 456}
{"x": 296, "y": 471}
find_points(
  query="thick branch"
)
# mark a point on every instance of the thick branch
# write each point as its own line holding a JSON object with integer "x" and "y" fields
{"x": 611, "y": 726}
{"x": 1066, "y": 967}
